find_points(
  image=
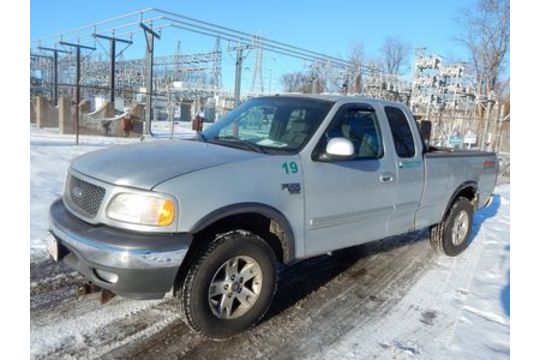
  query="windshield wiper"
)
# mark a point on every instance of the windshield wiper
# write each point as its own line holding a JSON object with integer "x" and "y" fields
{"x": 202, "y": 137}
{"x": 234, "y": 140}
{"x": 198, "y": 137}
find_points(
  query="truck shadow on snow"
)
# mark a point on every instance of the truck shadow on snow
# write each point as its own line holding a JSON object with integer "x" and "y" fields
{"x": 505, "y": 296}
{"x": 483, "y": 214}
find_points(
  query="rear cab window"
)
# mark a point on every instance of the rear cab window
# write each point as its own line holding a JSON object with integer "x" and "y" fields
{"x": 401, "y": 132}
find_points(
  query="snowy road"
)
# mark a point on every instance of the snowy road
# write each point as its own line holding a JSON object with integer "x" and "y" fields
{"x": 393, "y": 299}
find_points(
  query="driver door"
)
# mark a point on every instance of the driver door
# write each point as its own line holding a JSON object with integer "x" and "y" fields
{"x": 349, "y": 202}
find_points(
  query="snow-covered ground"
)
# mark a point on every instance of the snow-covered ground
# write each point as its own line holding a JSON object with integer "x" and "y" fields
{"x": 394, "y": 299}
{"x": 465, "y": 303}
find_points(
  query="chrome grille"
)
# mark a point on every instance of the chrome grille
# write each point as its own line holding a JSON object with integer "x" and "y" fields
{"x": 83, "y": 197}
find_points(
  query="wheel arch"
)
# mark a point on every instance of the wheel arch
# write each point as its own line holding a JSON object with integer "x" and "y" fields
{"x": 468, "y": 189}
{"x": 252, "y": 216}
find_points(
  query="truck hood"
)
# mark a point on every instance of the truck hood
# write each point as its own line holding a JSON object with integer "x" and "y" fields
{"x": 144, "y": 165}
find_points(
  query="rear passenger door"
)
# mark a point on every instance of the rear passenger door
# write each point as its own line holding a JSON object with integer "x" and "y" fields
{"x": 410, "y": 169}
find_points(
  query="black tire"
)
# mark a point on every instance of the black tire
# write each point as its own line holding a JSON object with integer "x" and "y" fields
{"x": 196, "y": 285}
{"x": 441, "y": 234}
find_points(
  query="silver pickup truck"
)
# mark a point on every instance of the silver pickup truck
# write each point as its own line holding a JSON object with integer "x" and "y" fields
{"x": 278, "y": 180}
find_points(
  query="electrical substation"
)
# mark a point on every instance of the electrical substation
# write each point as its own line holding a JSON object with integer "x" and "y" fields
{"x": 112, "y": 78}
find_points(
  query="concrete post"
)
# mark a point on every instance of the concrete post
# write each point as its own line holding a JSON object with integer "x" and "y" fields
{"x": 46, "y": 115}
{"x": 65, "y": 120}
{"x": 41, "y": 112}
{"x": 32, "y": 112}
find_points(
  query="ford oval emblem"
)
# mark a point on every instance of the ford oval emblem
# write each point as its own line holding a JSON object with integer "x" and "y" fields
{"x": 76, "y": 192}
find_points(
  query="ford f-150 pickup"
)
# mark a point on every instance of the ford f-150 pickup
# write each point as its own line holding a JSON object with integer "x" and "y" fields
{"x": 278, "y": 180}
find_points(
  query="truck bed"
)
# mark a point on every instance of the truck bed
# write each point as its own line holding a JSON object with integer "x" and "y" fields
{"x": 446, "y": 170}
{"x": 446, "y": 152}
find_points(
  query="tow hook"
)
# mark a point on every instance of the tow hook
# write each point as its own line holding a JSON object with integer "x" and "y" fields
{"x": 89, "y": 288}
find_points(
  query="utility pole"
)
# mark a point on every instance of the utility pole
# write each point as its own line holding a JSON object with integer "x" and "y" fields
{"x": 487, "y": 117}
{"x": 78, "y": 48}
{"x": 257, "y": 85}
{"x": 149, "y": 35}
{"x": 237, "y": 83}
{"x": 112, "y": 54}
{"x": 217, "y": 66}
{"x": 177, "y": 61}
{"x": 55, "y": 70}
{"x": 238, "y": 75}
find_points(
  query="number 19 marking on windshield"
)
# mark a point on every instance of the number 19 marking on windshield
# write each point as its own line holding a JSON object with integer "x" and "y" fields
{"x": 290, "y": 168}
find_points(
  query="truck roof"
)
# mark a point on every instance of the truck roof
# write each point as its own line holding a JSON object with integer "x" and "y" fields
{"x": 331, "y": 97}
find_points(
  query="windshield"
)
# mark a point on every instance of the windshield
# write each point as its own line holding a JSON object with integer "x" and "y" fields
{"x": 278, "y": 124}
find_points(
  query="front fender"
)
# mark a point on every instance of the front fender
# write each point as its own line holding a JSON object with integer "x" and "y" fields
{"x": 259, "y": 186}
{"x": 287, "y": 241}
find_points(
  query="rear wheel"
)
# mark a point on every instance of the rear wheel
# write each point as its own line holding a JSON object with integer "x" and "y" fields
{"x": 451, "y": 237}
{"x": 229, "y": 285}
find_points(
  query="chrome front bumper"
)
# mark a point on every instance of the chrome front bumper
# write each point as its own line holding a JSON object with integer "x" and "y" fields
{"x": 145, "y": 264}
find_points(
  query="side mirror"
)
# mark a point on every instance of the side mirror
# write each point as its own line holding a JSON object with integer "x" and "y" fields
{"x": 339, "y": 149}
{"x": 425, "y": 130}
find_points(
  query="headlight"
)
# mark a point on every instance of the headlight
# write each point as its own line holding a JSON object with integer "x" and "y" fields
{"x": 142, "y": 209}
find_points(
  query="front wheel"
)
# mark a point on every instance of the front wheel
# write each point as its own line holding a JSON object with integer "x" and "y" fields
{"x": 451, "y": 237}
{"x": 229, "y": 285}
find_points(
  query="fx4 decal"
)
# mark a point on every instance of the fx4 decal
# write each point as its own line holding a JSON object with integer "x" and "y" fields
{"x": 293, "y": 188}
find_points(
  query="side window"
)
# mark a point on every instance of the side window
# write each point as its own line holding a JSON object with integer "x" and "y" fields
{"x": 361, "y": 127}
{"x": 401, "y": 132}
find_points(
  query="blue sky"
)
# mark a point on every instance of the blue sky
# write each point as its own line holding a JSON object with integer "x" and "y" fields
{"x": 326, "y": 26}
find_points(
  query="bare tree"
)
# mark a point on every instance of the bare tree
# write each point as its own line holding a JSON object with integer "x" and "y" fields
{"x": 395, "y": 53}
{"x": 330, "y": 79}
{"x": 319, "y": 79}
{"x": 293, "y": 81}
{"x": 486, "y": 34}
{"x": 296, "y": 82}
{"x": 356, "y": 58}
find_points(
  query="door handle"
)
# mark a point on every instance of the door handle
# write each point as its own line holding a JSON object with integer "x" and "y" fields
{"x": 386, "y": 177}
